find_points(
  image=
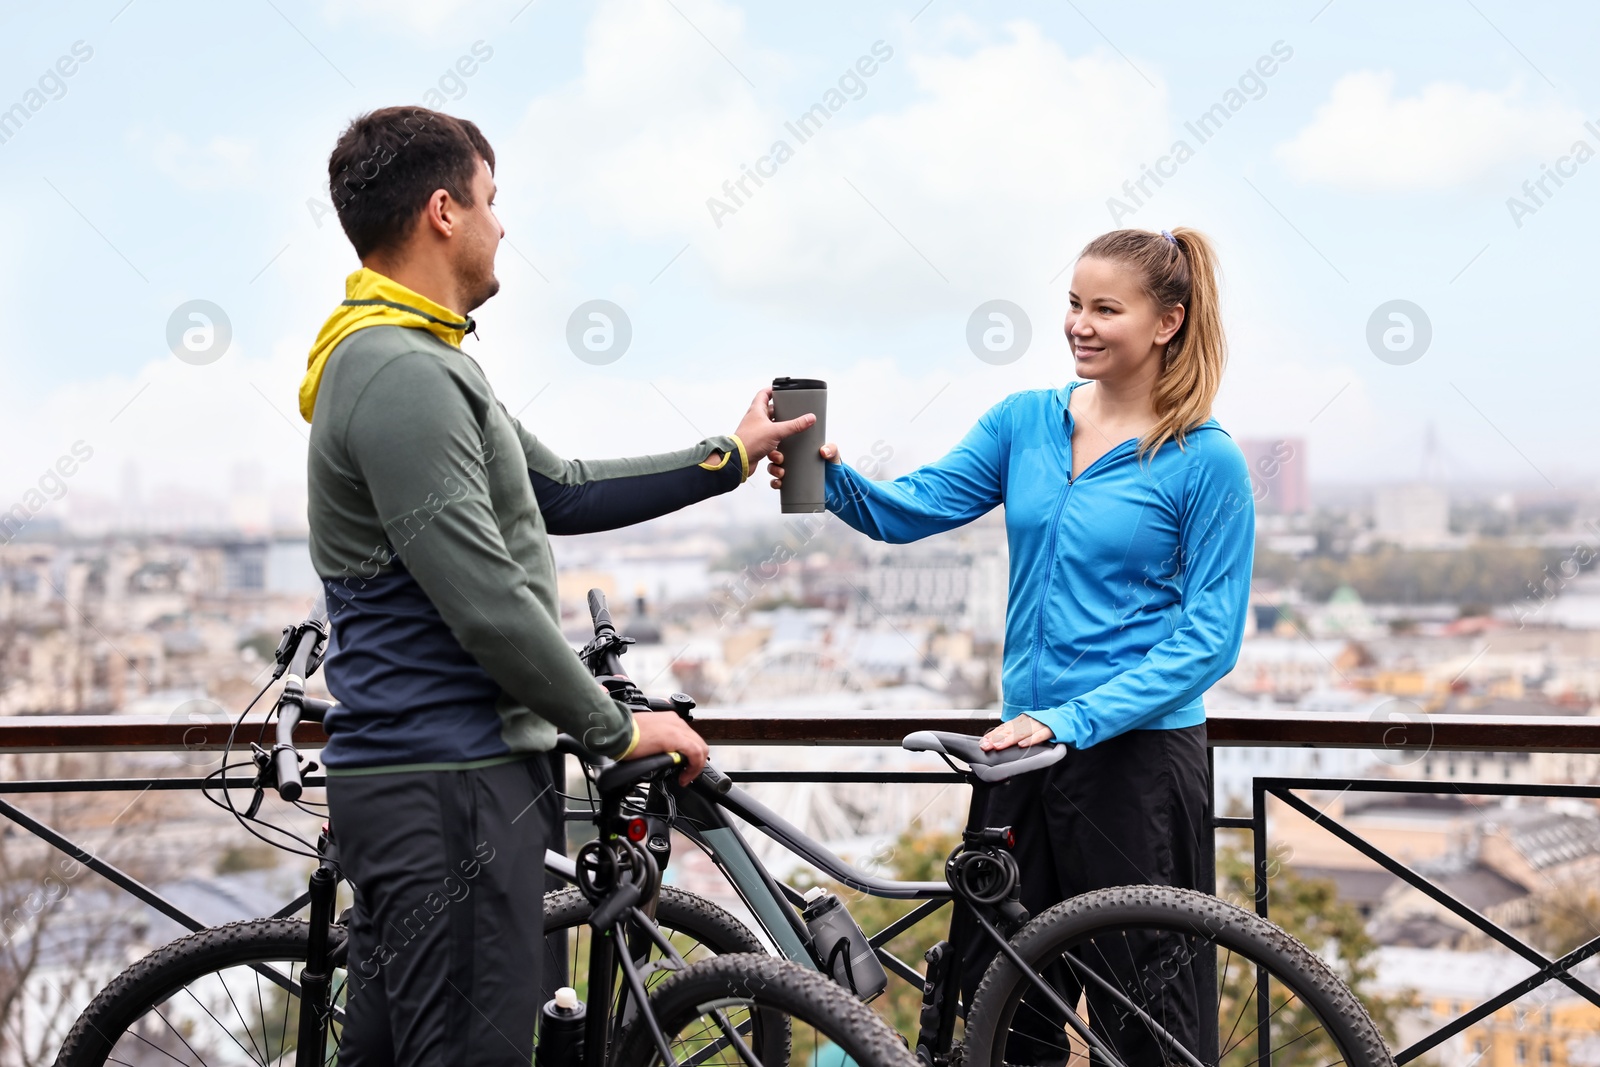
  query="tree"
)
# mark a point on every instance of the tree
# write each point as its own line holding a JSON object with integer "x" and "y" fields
{"x": 1566, "y": 918}
{"x": 915, "y": 857}
{"x": 1308, "y": 909}
{"x": 63, "y": 931}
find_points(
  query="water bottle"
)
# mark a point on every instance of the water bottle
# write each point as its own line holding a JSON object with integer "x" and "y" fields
{"x": 561, "y": 1023}
{"x": 804, "y": 470}
{"x": 842, "y": 950}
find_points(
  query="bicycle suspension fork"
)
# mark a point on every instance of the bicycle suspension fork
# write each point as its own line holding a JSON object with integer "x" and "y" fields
{"x": 316, "y": 979}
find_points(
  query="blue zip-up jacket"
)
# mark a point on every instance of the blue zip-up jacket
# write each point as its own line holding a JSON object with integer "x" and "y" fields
{"x": 1129, "y": 585}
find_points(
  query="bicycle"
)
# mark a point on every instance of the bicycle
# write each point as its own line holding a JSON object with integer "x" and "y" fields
{"x": 743, "y": 1007}
{"x": 1293, "y": 992}
{"x": 1276, "y": 1002}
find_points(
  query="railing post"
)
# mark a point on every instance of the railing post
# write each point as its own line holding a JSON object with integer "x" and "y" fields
{"x": 1206, "y": 984}
{"x": 1208, "y": 846}
{"x": 1258, "y": 820}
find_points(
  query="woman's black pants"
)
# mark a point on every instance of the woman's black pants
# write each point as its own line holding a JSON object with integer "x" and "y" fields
{"x": 1131, "y": 810}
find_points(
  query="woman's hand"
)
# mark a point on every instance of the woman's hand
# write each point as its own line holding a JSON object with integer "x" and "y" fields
{"x": 775, "y": 462}
{"x": 1022, "y": 731}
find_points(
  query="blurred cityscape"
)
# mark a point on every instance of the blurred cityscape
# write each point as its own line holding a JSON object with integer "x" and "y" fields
{"x": 1396, "y": 601}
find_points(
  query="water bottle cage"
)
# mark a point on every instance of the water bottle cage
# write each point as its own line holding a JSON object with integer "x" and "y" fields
{"x": 840, "y": 948}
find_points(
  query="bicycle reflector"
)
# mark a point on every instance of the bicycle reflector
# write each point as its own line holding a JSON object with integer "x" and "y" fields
{"x": 637, "y": 829}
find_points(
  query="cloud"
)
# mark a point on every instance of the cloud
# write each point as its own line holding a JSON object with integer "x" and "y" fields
{"x": 220, "y": 163}
{"x": 1368, "y": 139}
{"x": 179, "y": 424}
{"x": 960, "y": 163}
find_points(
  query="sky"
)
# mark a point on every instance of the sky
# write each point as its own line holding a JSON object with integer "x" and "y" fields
{"x": 1356, "y": 154}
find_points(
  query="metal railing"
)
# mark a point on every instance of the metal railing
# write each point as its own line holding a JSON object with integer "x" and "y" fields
{"x": 1436, "y": 733}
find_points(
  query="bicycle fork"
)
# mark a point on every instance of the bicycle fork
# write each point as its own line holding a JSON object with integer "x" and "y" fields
{"x": 316, "y": 978}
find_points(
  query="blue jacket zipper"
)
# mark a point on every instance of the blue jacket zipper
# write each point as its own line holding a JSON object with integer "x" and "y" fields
{"x": 1050, "y": 555}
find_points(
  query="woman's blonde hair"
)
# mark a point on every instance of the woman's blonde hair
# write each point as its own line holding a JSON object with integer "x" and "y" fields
{"x": 1182, "y": 270}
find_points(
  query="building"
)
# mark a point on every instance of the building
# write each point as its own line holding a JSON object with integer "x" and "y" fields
{"x": 1549, "y": 1027}
{"x": 1278, "y": 474}
{"x": 1412, "y": 516}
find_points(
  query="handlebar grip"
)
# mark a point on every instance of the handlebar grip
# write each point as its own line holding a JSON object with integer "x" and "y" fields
{"x": 302, "y": 655}
{"x": 623, "y": 776}
{"x": 286, "y": 762}
{"x": 289, "y": 784}
{"x": 598, "y": 611}
{"x": 315, "y": 710}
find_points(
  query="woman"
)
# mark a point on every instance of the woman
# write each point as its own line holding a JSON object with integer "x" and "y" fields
{"x": 1131, "y": 527}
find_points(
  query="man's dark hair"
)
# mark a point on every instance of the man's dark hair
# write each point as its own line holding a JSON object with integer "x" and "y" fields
{"x": 388, "y": 162}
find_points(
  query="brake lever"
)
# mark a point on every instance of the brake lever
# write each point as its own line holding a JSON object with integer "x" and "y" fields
{"x": 263, "y": 761}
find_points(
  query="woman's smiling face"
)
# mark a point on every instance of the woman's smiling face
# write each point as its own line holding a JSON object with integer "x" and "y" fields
{"x": 1113, "y": 325}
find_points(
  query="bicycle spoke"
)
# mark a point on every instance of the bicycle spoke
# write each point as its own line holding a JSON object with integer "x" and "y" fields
{"x": 1242, "y": 1008}
{"x": 1298, "y": 1036}
{"x": 1133, "y": 968}
{"x": 1222, "y": 986}
{"x": 161, "y": 1050}
{"x": 1244, "y": 1037}
{"x": 1059, "y": 1027}
{"x": 224, "y": 1029}
{"x": 334, "y": 1014}
{"x": 734, "y": 1038}
{"x": 711, "y": 1049}
{"x": 223, "y": 981}
{"x": 262, "y": 1008}
{"x": 283, "y": 1036}
{"x": 1270, "y": 1016}
{"x": 176, "y": 1033}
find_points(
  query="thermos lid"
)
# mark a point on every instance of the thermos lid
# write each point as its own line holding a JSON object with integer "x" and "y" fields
{"x": 799, "y": 383}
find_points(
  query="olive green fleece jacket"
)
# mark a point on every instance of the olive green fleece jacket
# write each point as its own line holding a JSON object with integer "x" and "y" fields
{"x": 447, "y": 645}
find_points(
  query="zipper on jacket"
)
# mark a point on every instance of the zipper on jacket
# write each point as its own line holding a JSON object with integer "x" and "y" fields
{"x": 1049, "y": 575}
{"x": 1055, "y": 526}
{"x": 1050, "y": 553}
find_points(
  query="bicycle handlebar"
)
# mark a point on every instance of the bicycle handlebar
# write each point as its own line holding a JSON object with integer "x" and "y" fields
{"x": 600, "y": 613}
{"x": 603, "y": 654}
{"x": 293, "y": 702}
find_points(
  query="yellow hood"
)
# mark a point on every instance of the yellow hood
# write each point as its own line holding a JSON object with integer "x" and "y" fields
{"x": 371, "y": 299}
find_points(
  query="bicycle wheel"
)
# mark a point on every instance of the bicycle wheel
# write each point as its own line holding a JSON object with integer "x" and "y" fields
{"x": 226, "y": 995}
{"x": 200, "y": 1000}
{"x": 1090, "y": 946}
{"x": 695, "y": 927}
{"x": 785, "y": 1013}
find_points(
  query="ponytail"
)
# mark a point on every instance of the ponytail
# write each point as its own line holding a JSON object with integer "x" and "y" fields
{"x": 1180, "y": 268}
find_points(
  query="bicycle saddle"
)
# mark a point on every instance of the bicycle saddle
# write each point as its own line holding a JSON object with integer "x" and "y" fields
{"x": 992, "y": 766}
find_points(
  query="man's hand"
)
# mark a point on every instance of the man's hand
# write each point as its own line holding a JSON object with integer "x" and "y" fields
{"x": 760, "y": 434}
{"x": 664, "y": 731}
{"x": 1023, "y": 731}
{"x": 775, "y": 467}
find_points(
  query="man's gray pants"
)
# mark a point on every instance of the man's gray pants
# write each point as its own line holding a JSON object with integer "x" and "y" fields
{"x": 446, "y": 935}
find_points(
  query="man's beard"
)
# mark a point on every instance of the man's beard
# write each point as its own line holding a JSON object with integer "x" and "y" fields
{"x": 481, "y": 289}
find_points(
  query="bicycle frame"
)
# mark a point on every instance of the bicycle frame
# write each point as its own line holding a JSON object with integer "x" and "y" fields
{"x": 701, "y": 812}
{"x": 704, "y": 810}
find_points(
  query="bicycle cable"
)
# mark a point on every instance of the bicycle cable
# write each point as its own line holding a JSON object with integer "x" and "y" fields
{"x": 301, "y": 846}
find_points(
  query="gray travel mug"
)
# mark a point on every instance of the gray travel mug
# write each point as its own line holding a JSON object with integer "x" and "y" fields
{"x": 804, "y": 469}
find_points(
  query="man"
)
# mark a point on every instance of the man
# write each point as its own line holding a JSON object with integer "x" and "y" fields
{"x": 429, "y": 510}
